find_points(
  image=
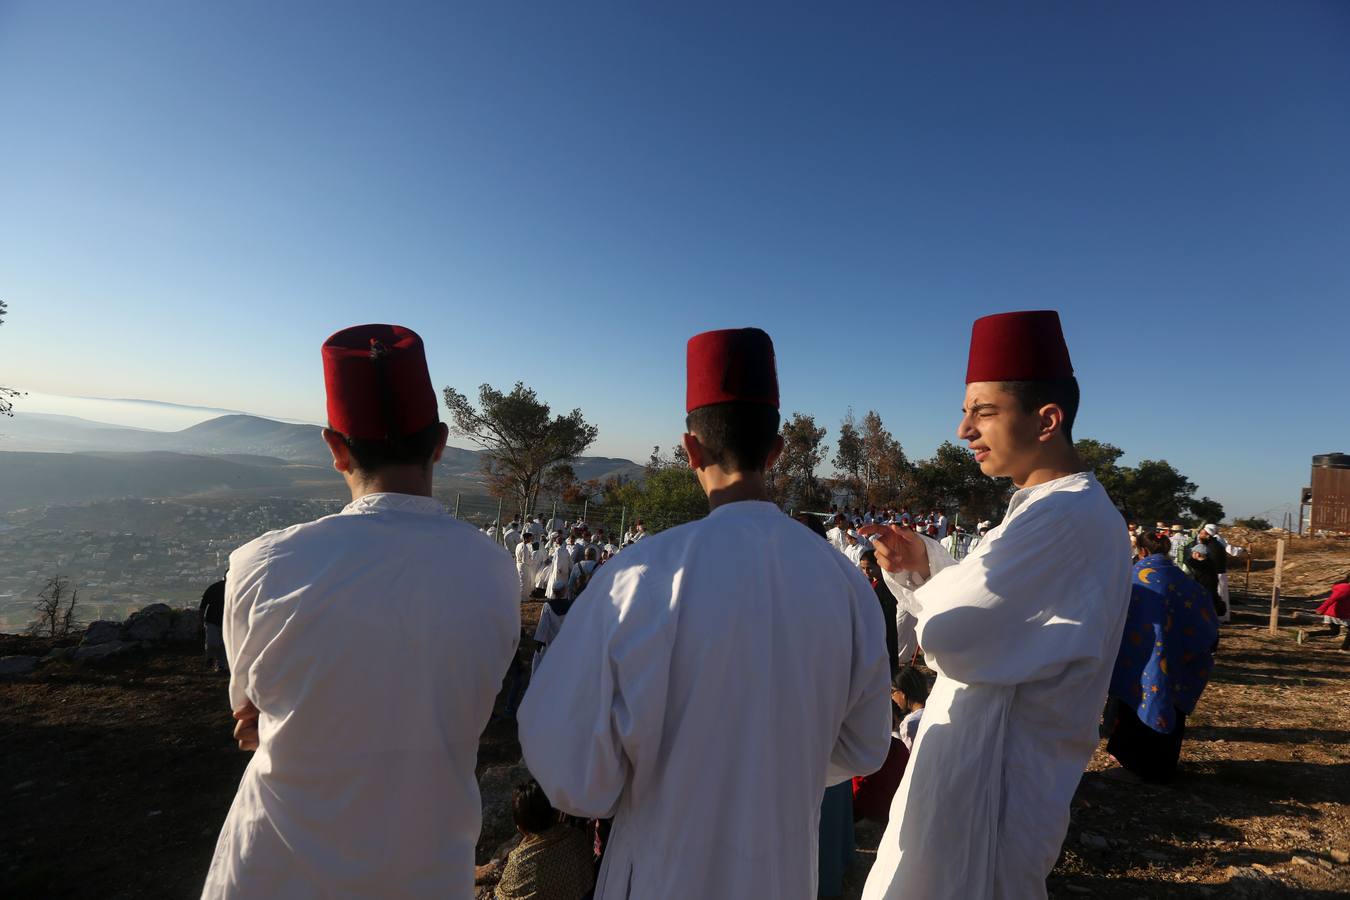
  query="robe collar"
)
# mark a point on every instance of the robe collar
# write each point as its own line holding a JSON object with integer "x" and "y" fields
{"x": 1068, "y": 482}
{"x": 762, "y": 506}
{"x": 390, "y": 502}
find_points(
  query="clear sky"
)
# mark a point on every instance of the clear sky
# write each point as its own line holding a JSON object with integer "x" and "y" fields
{"x": 193, "y": 195}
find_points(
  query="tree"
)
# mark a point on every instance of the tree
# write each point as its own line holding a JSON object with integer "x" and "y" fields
{"x": 884, "y": 465}
{"x": 7, "y": 395}
{"x": 848, "y": 460}
{"x": 521, "y": 439}
{"x": 951, "y": 480}
{"x": 55, "y": 608}
{"x": 793, "y": 478}
{"x": 1205, "y": 510}
{"x": 560, "y": 483}
{"x": 668, "y": 494}
{"x": 1255, "y": 523}
{"x": 1156, "y": 490}
{"x": 1101, "y": 458}
{"x": 1152, "y": 491}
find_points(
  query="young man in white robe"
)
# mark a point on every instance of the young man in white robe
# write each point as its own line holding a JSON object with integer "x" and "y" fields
{"x": 366, "y": 649}
{"x": 530, "y": 555}
{"x": 1022, "y": 633}
{"x": 716, "y": 677}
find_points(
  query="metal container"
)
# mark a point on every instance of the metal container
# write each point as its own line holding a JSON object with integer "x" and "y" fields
{"x": 1331, "y": 492}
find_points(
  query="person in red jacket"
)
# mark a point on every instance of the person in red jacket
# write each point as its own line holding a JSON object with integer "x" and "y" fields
{"x": 1335, "y": 611}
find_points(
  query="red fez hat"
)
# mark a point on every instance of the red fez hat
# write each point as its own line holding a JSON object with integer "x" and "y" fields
{"x": 377, "y": 382}
{"x": 733, "y": 365}
{"x": 1018, "y": 346}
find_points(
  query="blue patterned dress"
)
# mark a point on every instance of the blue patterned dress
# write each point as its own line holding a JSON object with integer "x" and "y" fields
{"x": 1166, "y": 654}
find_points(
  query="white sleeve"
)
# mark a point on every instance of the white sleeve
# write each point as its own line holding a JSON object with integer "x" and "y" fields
{"x": 865, "y": 733}
{"x": 244, "y": 633}
{"x": 904, "y": 584}
{"x": 1010, "y": 614}
{"x": 598, "y": 706}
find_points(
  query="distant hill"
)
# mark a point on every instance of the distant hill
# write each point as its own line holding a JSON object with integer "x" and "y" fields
{"x": 228, "y": 453}
{"x": 40, "y": 479}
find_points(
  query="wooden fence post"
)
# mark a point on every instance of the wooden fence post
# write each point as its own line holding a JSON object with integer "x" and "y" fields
{"x": 1275, "y": 591}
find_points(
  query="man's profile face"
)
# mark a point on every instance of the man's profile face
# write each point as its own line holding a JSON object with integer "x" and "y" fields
{"x": 867, "y": 568}
{"x": 998, "y": 432}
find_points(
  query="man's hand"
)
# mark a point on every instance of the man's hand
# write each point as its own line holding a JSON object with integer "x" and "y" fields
{"x": 246, "y": 726}
{"x": 898, "y": 549}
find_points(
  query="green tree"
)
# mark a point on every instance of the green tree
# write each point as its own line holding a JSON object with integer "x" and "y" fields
{"x": 1205, "y": 510}
{"x": 1153, "y": 491}
{"x": 1102, "y": 458}
{"x": 1255, "y": 523}
{"x": 951, "y": 480}
{"x": 884, "y": 466}
{"x": 793, "y": 480}
{"x": 848, "y": 458}
{"x": 521, "y": 437}
{"x": 670, "y": 496}
{"x": 1156, "y": 491}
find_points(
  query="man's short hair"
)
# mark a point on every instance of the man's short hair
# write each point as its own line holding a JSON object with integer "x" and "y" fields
{"x": 1032, "y": 395}
{"x": 912, "y": 683}
{"x": 869, "y": 555}
{"x": 531, "y": 810}
{"x": 372, "y": 454}
{"x": 737, "y": 436}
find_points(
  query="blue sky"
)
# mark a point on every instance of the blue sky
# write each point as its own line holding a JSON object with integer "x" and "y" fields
{"x": 193, "y": 195}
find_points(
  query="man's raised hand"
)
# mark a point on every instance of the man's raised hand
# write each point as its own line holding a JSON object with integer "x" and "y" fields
{"x": 898, "y": 549}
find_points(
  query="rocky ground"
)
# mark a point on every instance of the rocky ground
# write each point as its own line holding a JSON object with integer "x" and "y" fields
{"x": 118, "y": 772}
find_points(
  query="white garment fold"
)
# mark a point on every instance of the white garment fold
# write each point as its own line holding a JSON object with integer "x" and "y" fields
{"x": 705, "y": 697}
{"x": 373, "y": 643}
{"x": 1022, "y": 633}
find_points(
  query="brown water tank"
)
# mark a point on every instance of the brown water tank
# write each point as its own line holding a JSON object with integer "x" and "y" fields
{"x": 1331, "y": 492}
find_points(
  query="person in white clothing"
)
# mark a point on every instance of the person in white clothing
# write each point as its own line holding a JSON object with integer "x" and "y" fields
{"x": 854, "y": 546}
{"x": 559, "y": 568}
{"x": 366, "y": 649}
{"x": 511, "y": 538}
{"x": 836, "y": 532}
{"x": 530, "y": 555}
{"x": 1022, "y": 634}
{"x": 716, "y": 677}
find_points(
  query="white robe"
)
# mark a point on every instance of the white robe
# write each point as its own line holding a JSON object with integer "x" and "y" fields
{"x": 836, "y": 537}
{"x": 528, "y": 561}
{"x": 559, "y": 573}
{"x": 373, "y": 642}
{"x": 1023, "y": 634}
{"x": 705, "y": 696}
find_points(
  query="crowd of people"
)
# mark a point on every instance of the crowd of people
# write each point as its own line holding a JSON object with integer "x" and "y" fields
{"x": 709, "y": 709}
{"x": 844, "y": 525}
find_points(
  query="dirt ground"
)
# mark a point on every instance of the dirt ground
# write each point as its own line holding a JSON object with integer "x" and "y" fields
{"x": 116, "y": 779}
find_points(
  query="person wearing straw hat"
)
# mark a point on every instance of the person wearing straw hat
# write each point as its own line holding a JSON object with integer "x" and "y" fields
{"x": 1022, "y": 634}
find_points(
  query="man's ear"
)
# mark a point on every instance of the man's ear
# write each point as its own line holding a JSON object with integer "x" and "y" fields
{"x": 440, "y": 443}
{"x": 774, "y": 452}
{"x": 342, "y": 454}
{"x": 694, "y": 450}
{"x": 1051, "y": 423}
